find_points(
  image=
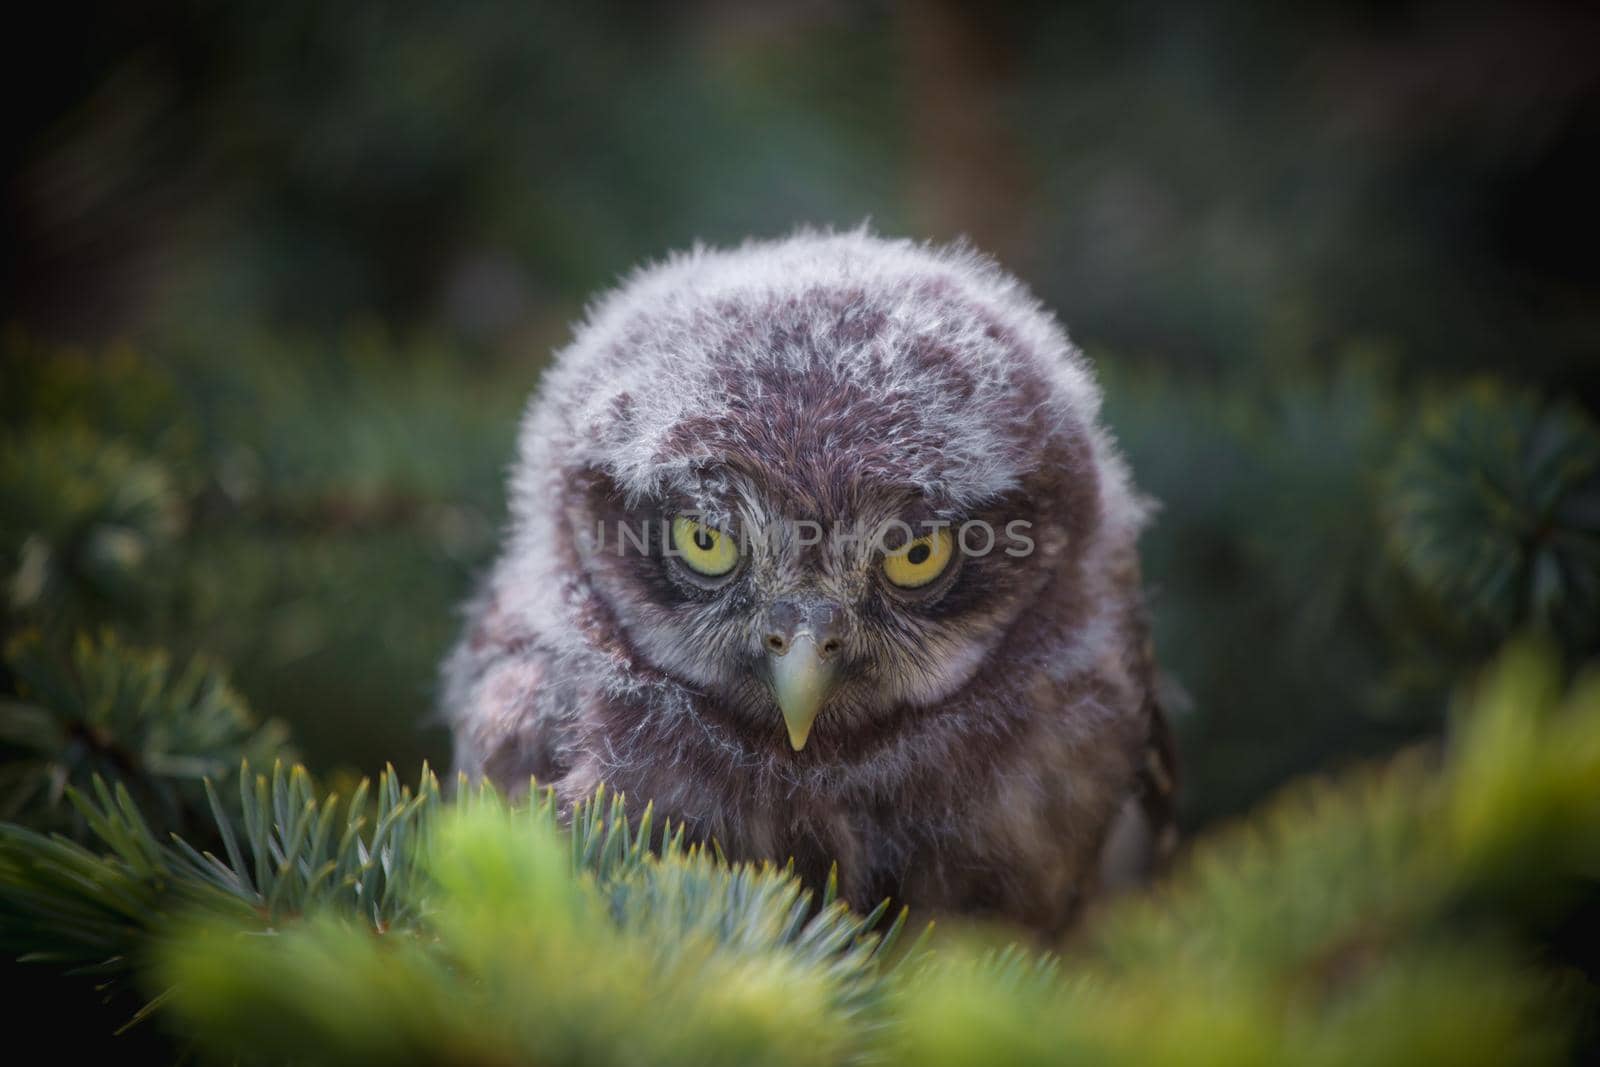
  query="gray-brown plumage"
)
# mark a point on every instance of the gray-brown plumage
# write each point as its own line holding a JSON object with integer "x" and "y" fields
{"x": 959, "y": 730}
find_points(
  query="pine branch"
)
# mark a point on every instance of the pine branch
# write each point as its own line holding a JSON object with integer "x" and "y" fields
{"x": 1492, "y": 514}
{"x": 304, "y": 866}
{"x": 85, "y": 527}
{"x": 106, "y": 710}
{"x": 1380, "y": 918}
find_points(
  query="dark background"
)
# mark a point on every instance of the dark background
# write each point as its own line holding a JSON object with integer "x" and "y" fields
{"x": 302, "y": 262}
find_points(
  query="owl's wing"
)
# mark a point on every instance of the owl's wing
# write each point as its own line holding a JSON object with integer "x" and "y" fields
{"x": 1144, "y": 835}
{"x": 498, "y": 689}
{"x": 1158, "y": 785}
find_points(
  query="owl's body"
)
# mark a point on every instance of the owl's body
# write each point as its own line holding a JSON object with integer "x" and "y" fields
{"x": 958, "y": 729}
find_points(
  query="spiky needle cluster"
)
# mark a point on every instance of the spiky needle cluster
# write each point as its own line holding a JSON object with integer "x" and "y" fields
{"x": 1380, "y": 919}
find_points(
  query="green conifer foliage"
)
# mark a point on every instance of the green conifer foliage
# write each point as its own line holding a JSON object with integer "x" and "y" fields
{"x": 125, "y": 715}
{"x": 1492, "y": 510}
{"x": 1420, "y": 907}
{"x": 1379, "y": 917}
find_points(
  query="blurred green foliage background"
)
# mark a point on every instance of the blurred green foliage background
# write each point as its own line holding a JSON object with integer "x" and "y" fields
{"x": 278, "y": 279}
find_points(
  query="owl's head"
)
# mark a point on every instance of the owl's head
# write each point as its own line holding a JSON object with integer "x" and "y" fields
{"x": 817, "y": 483}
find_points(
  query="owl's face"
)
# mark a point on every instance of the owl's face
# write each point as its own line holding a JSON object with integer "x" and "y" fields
{"x": 759, "y": 463}
{"x": 794, "y": 609}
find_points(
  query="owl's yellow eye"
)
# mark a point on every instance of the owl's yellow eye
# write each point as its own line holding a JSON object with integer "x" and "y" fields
{"x": 706, "y": 549}
{"x": 921, "y": 561}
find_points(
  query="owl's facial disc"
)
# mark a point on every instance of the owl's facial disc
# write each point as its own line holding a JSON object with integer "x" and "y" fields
{"x": 843, "y": 624}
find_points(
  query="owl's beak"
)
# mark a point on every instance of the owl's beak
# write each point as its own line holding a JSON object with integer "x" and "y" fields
{"x": 802, "y": 680}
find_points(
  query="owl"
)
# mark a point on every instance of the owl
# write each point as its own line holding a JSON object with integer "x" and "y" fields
{"x": 819, "y": 545}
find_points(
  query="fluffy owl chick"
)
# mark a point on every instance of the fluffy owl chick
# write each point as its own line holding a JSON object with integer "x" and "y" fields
{"x": 819, "y": 545}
